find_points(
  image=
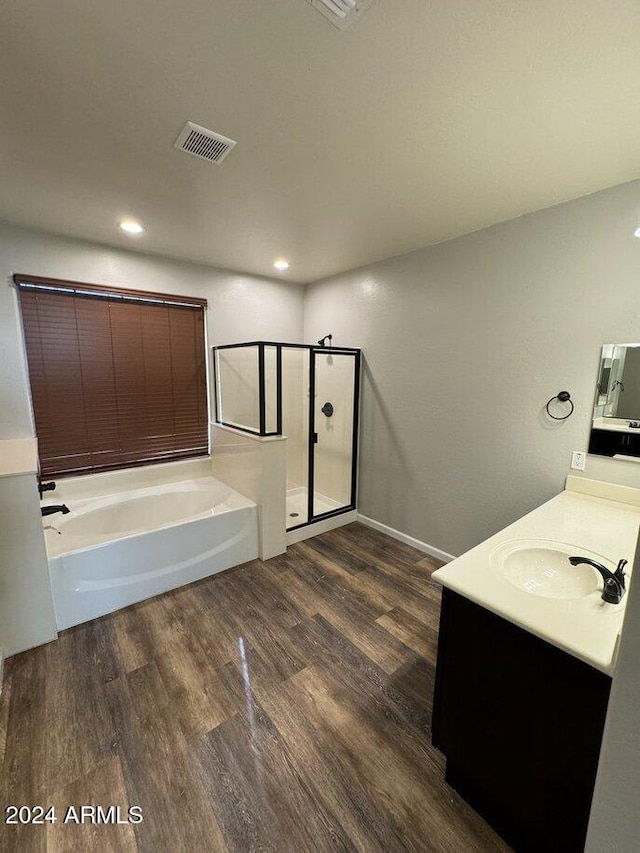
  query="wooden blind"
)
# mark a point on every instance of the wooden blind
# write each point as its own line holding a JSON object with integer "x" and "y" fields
{"x": 118, "y": 377}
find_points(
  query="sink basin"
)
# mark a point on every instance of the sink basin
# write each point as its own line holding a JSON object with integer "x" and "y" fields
{"x": 542, "y": 568}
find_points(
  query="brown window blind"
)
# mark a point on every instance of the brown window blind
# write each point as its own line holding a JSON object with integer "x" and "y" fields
{"x": 117, "y": 376}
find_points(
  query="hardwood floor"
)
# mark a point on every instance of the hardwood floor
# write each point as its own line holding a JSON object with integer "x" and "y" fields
{"x": 279, "y": 706}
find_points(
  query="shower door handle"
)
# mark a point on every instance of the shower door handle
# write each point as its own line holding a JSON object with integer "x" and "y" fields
{"x": 315, "y": 438}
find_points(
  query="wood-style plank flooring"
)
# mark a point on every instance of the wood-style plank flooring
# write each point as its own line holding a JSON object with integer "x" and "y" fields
{"x": 280, "y": 706}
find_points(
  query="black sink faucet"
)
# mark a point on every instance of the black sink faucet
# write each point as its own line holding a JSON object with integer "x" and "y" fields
{"x": 614, "y": 582}
{"x": 50, "y": 510}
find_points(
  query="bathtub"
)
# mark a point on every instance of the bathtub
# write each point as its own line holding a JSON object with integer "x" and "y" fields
{"x": 132, "y": 534}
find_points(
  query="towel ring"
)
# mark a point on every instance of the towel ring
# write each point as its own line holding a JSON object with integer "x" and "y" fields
{"x": 563, "y": 397}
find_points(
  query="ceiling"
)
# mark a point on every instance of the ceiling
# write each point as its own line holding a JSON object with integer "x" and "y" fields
{"x": 427, "y": 120}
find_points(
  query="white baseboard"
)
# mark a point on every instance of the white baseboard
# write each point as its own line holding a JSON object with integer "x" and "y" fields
{"x": 408, "y": 540}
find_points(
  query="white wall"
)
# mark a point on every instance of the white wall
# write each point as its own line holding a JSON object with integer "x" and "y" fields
{"x": 241, "y": 307}
{"x": 463, "y": 345}
{"x": 26, "y": 605}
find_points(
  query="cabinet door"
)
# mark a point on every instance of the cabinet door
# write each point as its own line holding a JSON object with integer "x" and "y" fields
{"x": 632, "y": 447}
{"x": 521, "y": 725}
{"x": 605, "y": 442}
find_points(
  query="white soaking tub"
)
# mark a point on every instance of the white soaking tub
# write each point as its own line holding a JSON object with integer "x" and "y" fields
{"x": 132, "y": 534}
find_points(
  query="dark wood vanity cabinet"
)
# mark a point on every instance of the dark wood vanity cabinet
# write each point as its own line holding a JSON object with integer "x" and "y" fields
{"x": 605, "y": 442}
{"x": 520, "y": 723}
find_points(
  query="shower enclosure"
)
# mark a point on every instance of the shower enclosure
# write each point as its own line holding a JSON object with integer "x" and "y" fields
{"x": 310, "y": 395}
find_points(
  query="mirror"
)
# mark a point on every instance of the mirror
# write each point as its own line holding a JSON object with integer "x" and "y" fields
{"x": 616, "y": 411}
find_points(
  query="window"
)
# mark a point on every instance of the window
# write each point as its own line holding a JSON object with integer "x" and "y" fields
{"x": 117, "y": 376}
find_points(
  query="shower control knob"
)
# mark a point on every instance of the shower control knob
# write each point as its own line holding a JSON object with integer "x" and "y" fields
{"x": 45, "y": 487}
{"x": 327, "y": 409}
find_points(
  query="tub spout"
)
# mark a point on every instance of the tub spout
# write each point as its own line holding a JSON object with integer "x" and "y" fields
{"x": 50, "y": 510}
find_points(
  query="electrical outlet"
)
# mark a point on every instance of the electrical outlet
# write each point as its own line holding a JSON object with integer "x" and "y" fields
{"x": 578, "y": 460}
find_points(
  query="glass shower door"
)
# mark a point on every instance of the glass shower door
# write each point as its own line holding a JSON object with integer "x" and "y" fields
{"x": 334, "y": 380}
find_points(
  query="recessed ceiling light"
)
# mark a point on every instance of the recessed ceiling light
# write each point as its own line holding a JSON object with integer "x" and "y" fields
{"x": 131, "y": 227}
{"x": 281, "y": 265}
{"x": 636, "y": 233}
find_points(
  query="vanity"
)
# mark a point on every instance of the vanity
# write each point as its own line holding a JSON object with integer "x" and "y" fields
{"x": 526, "y": 653}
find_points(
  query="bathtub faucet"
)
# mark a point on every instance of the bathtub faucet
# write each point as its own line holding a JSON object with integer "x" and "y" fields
{"x": 45, "y": 487}
{"x": 49, "y": 510}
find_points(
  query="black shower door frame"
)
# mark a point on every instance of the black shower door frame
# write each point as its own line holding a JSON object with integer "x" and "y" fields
{"x": 262, "y": 431}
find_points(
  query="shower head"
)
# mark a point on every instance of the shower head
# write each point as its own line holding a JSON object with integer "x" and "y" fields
{"x": 321, "y": 342}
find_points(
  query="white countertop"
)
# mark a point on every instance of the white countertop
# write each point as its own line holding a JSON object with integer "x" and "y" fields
{"x": 18, "y": 456}
{"x": 586, "y": 627}
{"x": 615, "y": 424}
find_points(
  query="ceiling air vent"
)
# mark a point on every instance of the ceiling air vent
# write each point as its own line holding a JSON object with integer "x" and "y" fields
{"x": 341, "y": 13}
{"x": 203, "y": 143}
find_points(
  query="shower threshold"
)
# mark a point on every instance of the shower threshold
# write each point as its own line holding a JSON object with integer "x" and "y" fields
{"x": 297, "y": 506}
